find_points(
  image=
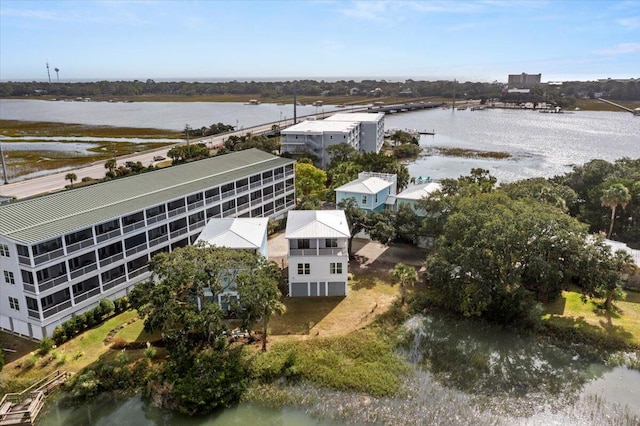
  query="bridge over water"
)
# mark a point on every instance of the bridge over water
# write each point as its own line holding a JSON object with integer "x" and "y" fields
{"x": 413, "y": 106}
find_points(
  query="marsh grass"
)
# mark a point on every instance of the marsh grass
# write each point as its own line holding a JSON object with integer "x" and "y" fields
{"x": 472, "y": 153}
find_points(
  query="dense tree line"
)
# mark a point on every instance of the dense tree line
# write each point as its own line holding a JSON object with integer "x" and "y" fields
{"x": 619, "y": 90}
{"x": 202, "y": 372}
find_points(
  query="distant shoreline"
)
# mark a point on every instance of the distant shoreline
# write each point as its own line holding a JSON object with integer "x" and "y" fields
{"x": 582, "y": 104}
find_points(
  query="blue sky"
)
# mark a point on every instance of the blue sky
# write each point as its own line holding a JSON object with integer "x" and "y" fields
{"x": 198, "y": 40}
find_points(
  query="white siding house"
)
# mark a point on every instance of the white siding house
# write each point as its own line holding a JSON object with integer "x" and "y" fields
{"x": 415, "y": 193}
{"x": 318, "y": 252}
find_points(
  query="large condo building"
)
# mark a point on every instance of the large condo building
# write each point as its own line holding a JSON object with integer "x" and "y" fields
{"x": 60, "y": 254}
{"x": 363, "y": 131}
{"x": 524, "y": 81}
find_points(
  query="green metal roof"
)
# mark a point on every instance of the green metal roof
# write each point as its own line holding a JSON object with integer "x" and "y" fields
{"x": 39, "y": 219}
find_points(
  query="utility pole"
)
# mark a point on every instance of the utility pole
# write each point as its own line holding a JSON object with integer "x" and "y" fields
{"x": 4, "y": 167}
{"x": 186, "y": 130}
{"x": 295, "y": 105}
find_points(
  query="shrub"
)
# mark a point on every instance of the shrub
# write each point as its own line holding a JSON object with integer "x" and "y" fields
{"x": 107, "y": 306}
{"x": 59, "y": 335}
{"x": 122, "y": 358}
{"x": 62, "y": 358}
{"x": 150, "y": 352}
{"x": 121, "y": 305}
{"x": 30, "y": 362}
{"x": 45, "y": 346}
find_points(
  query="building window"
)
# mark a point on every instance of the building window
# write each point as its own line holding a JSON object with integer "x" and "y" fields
{"x": 13, "y": 303}
{"x": 304, "y": 269}
{"x": 375, "y": 200}
{"x": 304, "y": 243}
{"x": 331, "y": 242}
{"x": 364, "y": 199}
{"x": 335, "y": 268}
{"x": 9, "y": 278}
{"x": 4, "y": 250}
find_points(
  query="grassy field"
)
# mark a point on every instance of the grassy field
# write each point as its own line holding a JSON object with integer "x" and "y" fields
{"x": 624, "y": 321}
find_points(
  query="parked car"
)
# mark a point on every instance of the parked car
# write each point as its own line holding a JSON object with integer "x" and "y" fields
{"x": 158, "y": 158}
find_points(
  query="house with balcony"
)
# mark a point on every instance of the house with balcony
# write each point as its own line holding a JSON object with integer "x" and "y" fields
{"x": 61, "y": 253}
{"x": 363, "y": 131}
{"x": 318, "y": 253}
{"x": 371, "y": 128}
{"x": 371, "y": 190}
{"x": 242, "y": 233}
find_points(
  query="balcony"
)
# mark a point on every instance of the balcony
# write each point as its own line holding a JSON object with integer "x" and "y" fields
{"x": 243, "y": 188}
{"x": 212, "y": 199}
{"x": 117, "y": 281}
{"x": 106, "y": 261}
{"x": 228, "y": 194}
{"x": 158, "y": 240}
{"x": 229, "y": 212}
{"x": 80, "y": 272}
{"x": 33, "y": 314}
{"x": 24, "y": 260}
{"x": 29, "y": 287}
{"x": 80, "y": 245}
{"x": 267, "y": 180}
{"x": 196, "y": 225}
{"x": 48, "y": 256}
{"x": 133, "y": 226}
{"x": 177, "y": 211}
{"x": 337, "y": 251}
{"x": 133, "y": 250}
{"x": 138, "y": 271}
{"x": 55, "y": 309}
{"x": 195, "y": 205}
{"x": 85, "y": 296}
{"x": 158, "y": 218}
{"x": 278, "y": 176}
{"x": 178, "y": 232}
{"x": 243, "y": 207}
{"x": 46, "y": 285}
{"x": 107, "y": 236}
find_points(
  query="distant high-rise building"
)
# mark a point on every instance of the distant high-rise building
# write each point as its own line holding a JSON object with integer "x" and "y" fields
{"x": 524, "y": 80}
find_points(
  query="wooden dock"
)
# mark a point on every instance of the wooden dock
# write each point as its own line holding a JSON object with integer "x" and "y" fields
{"x": 23, "y": 408}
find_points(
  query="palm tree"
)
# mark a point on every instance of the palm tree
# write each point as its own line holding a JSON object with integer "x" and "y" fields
{"x": 404, "y": 275}
{"x": 71, "y": 177}
{"x": 611, "y": 197}
{"x": 110, "y": 164}
{"x": 57, "y": 70}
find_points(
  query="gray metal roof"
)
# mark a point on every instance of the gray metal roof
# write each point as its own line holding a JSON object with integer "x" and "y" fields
{"x": 42, "y": 218}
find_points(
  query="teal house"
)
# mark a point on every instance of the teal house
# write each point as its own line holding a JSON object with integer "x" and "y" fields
{"x": 371, "y": 190}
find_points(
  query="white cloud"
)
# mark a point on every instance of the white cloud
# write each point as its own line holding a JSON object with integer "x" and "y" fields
{"x": 620, "y": 49}
{"x": 631, "y": 23}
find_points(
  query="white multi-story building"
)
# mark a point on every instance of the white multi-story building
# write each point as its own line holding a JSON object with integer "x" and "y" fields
{"x": 318, "y": 252}
{"x": 362, "y": 131}
{"x": 60, "y": 254}
{"x": 371, "y": 128}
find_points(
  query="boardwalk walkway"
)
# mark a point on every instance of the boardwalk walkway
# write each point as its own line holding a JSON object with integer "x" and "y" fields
{"x": 23, "y": 408}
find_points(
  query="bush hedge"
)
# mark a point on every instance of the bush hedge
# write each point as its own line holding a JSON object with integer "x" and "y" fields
{"x": 79, "y": 323}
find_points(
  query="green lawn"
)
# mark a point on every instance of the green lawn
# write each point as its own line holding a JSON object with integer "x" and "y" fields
{"x": 623, "y": 321}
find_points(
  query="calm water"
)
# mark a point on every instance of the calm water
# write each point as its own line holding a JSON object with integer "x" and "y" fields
{"x": 498, "y": 378}
{"x": 156, "y": 115}
{"x": 539, "y": 144}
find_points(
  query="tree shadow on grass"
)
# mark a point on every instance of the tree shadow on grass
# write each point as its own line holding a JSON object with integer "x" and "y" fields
{"x": 605, "y": 335}
{"x": 556, "y": 307}
{"x": 302, "y": 314}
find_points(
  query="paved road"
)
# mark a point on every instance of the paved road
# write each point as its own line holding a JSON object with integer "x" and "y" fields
{"x": 56, "y": 182}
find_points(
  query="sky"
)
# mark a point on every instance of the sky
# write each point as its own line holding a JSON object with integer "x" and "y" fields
{"x": 244, "y": 40}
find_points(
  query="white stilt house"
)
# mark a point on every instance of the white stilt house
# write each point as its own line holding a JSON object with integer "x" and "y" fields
{"x": 318, "y": 252}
